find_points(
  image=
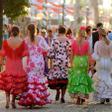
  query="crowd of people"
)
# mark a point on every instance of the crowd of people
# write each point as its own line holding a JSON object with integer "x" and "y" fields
{"x": 78, "y": 64}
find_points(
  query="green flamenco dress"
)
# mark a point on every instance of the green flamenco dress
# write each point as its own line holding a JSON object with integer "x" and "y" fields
{"x": 79, "y": 82}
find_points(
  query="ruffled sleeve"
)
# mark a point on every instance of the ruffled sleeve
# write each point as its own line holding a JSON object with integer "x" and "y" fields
{"x": 95, "y": 55}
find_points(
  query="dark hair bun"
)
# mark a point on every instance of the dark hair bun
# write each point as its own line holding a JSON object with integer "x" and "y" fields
{"x": 15, "y": 31}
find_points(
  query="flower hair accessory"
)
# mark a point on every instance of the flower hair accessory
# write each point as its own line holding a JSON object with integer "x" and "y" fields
{"x": 82, "y": 28}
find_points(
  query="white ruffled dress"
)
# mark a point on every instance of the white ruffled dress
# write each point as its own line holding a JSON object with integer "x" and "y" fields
{"x": 103, "y": 56}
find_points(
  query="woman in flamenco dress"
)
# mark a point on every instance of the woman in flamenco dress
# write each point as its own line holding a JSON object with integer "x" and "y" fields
{"x": 37, "y": 83}
{"x": 79, "y": 82}
{"x": 103, "y": 57}
{"x": 14, "y": 79}
{"x": 60, "y": 54}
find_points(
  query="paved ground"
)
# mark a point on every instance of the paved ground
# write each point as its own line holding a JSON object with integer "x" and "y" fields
{"x": 57, "y": 107}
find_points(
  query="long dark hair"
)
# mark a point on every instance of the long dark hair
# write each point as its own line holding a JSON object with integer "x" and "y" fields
{"x": 31, "y": 29}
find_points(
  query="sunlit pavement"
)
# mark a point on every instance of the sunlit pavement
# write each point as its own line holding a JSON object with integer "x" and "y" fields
{"x": 57, "y": 106}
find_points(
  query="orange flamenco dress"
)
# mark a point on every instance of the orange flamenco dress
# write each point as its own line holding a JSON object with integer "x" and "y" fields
{"x": 14, "y": 79}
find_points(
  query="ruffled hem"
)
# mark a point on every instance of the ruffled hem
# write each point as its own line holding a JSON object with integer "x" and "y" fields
{"x": 57, "y": 83}
{"x": 79, "y": 83}
{"x": 34, "y": 98}
{"x": 80, "y": 89}
{"x": 36, "y": 95}
{"x": 13, "y": 83}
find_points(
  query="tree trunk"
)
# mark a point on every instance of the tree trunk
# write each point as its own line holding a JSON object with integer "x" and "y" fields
{"x": 1, "y": 22}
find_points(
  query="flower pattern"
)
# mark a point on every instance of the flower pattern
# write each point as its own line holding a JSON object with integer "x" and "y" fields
{"x": 37, "y": 83}
{"x": 59, "y": 52}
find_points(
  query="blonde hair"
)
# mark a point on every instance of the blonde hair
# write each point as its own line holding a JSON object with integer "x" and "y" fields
{"x": 82, "y": 33}
{"x": 103, "y": 33}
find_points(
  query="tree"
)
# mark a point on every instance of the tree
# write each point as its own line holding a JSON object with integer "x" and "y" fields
{"x": 12, "y": 9}
{"x": 15, "y": 8}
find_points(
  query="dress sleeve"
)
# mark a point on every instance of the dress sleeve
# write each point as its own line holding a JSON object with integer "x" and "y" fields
{"x": 95, "y": 54}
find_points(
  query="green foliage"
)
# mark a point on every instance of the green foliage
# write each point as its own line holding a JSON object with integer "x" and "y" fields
{"x": 15, "y": 8}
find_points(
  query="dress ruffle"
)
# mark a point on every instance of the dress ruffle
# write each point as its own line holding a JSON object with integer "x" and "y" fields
{"x": 36, "y": 94}
{"x": 57, "y": 83}
{"x": 81, "y": 83}
{"x": 79, "y": 80}
{"x": 13, "y": 83}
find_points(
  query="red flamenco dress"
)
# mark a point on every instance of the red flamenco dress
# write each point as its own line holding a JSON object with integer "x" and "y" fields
{"x": 14, "y": 79}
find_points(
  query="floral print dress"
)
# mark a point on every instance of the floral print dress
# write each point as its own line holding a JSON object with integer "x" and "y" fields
{"x": 58, "y": 74}
{"x": 37, "y": 83}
